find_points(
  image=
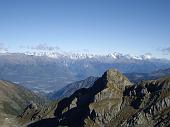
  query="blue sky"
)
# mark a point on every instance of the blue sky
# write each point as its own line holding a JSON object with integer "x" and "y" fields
{"x": 96, "y": 26}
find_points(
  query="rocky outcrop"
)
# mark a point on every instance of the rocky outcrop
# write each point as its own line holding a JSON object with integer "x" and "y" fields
{"x": 153, "y": 109}
{"x": 34, "y": 112}
{"x": 114, "y": 101}
{"x": 13, "y": 100}
{"x": 107, "y": 102}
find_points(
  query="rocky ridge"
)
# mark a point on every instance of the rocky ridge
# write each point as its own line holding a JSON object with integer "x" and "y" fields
{"x": 112, "y": 101}
{"x": 13, "y": 99}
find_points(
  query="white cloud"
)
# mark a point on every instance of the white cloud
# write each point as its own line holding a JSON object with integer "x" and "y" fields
{"x": 3, "y": 47}
{"x": 148, "y": 53}
{"x": 42, "y": 47}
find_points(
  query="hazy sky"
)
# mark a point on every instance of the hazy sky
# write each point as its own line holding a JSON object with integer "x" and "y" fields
{"x": 97, "y": 26}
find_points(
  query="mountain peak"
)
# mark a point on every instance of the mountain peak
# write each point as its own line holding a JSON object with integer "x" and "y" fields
{"x": 116, "y": 78}
{"x": 111, "y": 74}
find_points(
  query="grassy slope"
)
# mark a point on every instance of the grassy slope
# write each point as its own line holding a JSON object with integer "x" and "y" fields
{"x": 13, "y": 99}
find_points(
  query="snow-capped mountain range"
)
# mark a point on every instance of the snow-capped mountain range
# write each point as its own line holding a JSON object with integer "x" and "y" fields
{"x": 48, "y": 71}
{"x": 114, "y": 55}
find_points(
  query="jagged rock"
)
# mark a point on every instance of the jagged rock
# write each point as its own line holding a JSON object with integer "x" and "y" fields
{"x": 114, "y": 101}
{"x": 144, "y": 91}
{"x": 32, "y": 105}
{"x": 73, "y": 104}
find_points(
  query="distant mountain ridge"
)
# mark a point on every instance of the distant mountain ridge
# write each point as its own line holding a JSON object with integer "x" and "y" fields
{"x": 46, "y": 74}
{"x": 71, "y": 88}
{"x": 136, "y": 77}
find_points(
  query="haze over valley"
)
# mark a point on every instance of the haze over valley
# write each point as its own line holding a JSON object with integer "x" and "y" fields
{"x": 43, "y": 73}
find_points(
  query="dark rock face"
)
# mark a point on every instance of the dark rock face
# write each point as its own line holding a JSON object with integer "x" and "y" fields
{"x": 114, "y": 101}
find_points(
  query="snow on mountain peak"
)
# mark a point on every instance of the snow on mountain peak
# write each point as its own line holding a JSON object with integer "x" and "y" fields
{"x": 74, "y": 56}
{"x": 115, "y": 55}
{"x": 147, "y": 56}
